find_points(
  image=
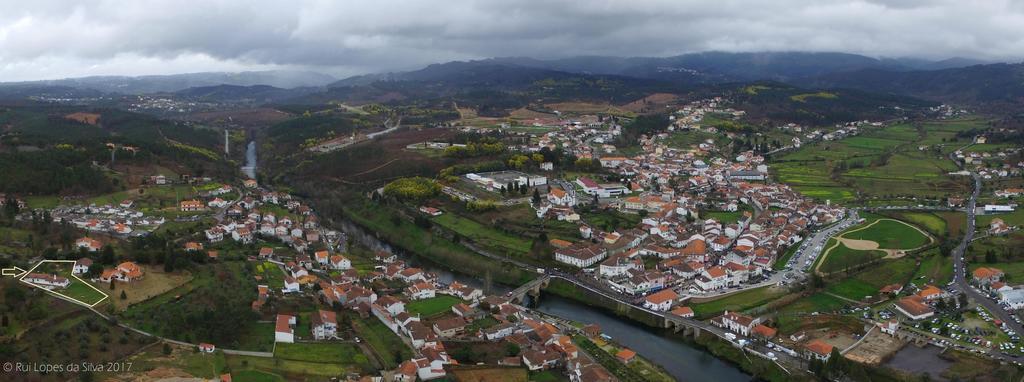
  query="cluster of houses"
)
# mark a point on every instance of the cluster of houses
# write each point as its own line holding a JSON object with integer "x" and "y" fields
{"x": 696, "y": 254}
{"x": 991, "y": 279}
{"x": 120, "y": 220}
{"x": 245, "y": 220}
{"x": 339, "y": 287}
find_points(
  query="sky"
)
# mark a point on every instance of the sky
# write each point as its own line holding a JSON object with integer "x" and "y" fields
{"x": 44, "y": 39}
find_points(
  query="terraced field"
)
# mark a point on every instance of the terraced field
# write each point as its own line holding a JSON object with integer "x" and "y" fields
{"x": 879, "y": 165}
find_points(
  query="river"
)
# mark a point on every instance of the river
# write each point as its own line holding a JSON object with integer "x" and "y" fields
{"x": 250, "y": 160}
{"x": 681, "y": 360}
{"x": 920, "y": 360}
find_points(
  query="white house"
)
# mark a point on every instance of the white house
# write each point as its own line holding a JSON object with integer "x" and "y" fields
{"x": 660, "y": 301}
{"x": 324, "y": 324}
{"x": 735, "y": 322}
{"x": 290, "y": 285}
{"x": 340, "y": 262}
{"x": 283, "y": 331}
{"x": 82, "y": 266}
{"x": 47, "y": 281}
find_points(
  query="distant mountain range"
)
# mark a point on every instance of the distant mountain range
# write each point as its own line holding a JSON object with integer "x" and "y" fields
{"x": 515, "y": 80}
{"x": 176, "y": 82}
{"x": 694, "y": 68}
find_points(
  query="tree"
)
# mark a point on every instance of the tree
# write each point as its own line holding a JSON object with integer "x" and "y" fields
{"x": 167, "y": 349}
{"x": 95, "y": 270}
{"x": 511, "y": 349}
{"x": 990, "y": 256}
{"x": 107, "y": 256}
{"x": 124, "y": 296}
{"x": 536, "y": 196}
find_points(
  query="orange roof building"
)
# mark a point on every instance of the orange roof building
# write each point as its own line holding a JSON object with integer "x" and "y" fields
{"x": 625, "y": 355}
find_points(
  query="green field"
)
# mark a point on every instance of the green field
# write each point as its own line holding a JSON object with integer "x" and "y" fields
{"x": 337, "y": 353}
{"x": 791, "y": 317}
{"x": 78, "y": 290}
{"x": 933, "y": 223}
{"x": 295, "y": 370}
{"x": 739, "y": 301}
{"x": 389, "y": 348}
{"x": 935, "y": 269}
{"x": 869, "y": 281}
{"x": 838, "y": 257}
{"x": 853, "y": 288}
{"x": 483, "y": 235}
{"x": 889, "y": 234}
{"x": 431, "y": 307}
{"x": 880, "y": 164}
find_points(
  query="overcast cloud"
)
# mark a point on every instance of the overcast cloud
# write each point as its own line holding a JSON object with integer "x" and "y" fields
{"x": 42, "y": 39}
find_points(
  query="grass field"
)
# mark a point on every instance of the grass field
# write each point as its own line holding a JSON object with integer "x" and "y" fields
{"x": 934, "y": 224}
{"x": 869, "y": 281}
{"x": 935, "y": 269}
{"x": 290, "y": 369}
{"x": 155, "y": 283}
{"x": 385, "y": 343}
{"x": 337, "y": 353}
{"x": 840, "y": 257}
{"x": 889, "y": 234}
{"x": 432, "y": 306}
{"x": 792, "y": 316}
{"x": 739, "y": 301}
{"x": 484, "y": 235}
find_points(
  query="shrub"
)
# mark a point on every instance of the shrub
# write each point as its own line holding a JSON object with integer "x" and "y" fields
{"x": 412, "y": 189}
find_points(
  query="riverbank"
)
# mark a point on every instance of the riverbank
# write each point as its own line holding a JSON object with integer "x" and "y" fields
{"x": 402, "y": 233}
{"x": 753, "y": 366}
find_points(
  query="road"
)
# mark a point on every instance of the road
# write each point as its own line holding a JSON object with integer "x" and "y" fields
{"x": 960, "y": 271}
{"x": 811, "y": 247}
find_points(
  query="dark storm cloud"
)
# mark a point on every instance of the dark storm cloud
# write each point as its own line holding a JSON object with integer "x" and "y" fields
{"x": 49, "y": 39}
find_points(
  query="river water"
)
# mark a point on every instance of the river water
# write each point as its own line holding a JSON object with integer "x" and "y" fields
{"x": 920, "y": 360}
{"x": 681, "y": 360}
{"x": 250, "y": 160}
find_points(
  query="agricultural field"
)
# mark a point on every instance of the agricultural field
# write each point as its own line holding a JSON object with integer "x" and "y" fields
{"x": 336, "y": 353}
{"x": 879, "y": 164}
{"x": 432, "y": 307}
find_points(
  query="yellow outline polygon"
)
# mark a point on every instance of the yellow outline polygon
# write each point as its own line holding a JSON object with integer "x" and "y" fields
{"x": 80, "y": 302}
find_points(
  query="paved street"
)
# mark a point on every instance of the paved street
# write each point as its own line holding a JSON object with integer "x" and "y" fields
{"x": 960, "y": 271}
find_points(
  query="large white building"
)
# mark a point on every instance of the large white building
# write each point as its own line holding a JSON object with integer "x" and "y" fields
{"x": 580, "y": 256}
{"x": 1013, "y": 298}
